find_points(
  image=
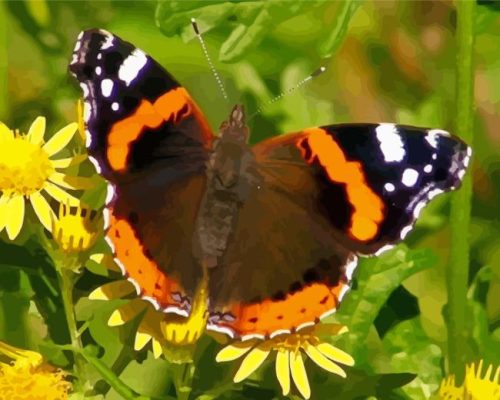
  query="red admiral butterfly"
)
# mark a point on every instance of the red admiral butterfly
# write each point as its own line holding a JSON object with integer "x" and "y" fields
{"x": 278, "y": 225}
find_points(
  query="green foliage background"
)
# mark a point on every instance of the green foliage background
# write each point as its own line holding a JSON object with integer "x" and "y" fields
{"x": 386, "y": 61}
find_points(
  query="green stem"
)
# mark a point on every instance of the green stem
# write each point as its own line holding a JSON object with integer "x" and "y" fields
{"x": 4, "y": 62}
{"x": 458, "y": 269}
{"x": 67, "y": 281}
{"x": 183, "y": 377}
{"x": 115, "y": 382}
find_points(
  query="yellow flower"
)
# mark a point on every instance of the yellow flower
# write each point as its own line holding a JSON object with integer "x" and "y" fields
{"x": 29, "y": 378}
{"x": 290, "y": 349}
{"x": 77, "y": 228}
{"x": 474, "y": 387}
{"x": 27, "y": 170}
{"x": 174, "y": 336}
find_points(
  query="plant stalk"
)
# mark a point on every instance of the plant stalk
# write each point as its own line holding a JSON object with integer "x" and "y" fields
{"x": 4, "y": 62}
{"x": 66, "y": 279}
{"x": 458, "y": 268}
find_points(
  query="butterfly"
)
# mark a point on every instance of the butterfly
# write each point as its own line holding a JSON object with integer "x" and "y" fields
{"x": 278, "y": 227}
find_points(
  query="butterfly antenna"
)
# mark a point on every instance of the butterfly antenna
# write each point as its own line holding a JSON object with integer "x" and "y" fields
{"x": 210, "y": 63}
{"x": 298, "y": 85}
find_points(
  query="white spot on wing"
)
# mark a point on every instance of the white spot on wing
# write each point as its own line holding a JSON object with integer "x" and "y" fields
{"x": 433, "y": 193}
{"x": 328, "y": 313}
{"x": 110, "y": 194}
{"x": 155, "y": 304}
{"x": 383, "y": 249}
{"x": 391, "y": 144}
{"x": 221, "y": 329}
{"x": 418, "y": 208}
{"x": 105, "y": 214}
{"x": 428, "y": 168}
{"x": 95, "y": 164}
{"x": 175, "y": 310}
{"x": 279, "y": 332}
{"x": 136, "y": 285}
{"x": 131, "y": 66}
{"x": 432, "y": 136}
{"x": 85, "y": 90}
{"x": 115, "y": 106}
{"x": 304, "y": 325}
{"x": 343, "y": 291}
{"x": 98, "y": 70}
{"x": 405, "y": 231}
{"x": 108, "y": 41}
{"x": 106, "y": 87}
{"x": 351, "y": 265}
{"x": 86, "y": 111}
{"x": 410, "y": 177}
{"x": 389, "y": 187}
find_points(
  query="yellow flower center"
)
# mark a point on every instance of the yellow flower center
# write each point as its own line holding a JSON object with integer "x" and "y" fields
{"x": 28, "y": 377}
{"x": 76, "y": 229}
{"x": 24, "y": 166}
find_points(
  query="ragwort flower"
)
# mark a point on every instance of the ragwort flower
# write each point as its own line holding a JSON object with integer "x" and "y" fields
{"x": 290, "y": 348}
{"x": 77, "y": 227}
{"x": 29, "y": 378}
{"x": 27, "y": 170}
{"x": 475, "y": 386}
{"x": 172, "y": 335}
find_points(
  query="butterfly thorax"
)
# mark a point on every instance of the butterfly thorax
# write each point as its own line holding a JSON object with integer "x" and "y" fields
{"x": 229, "y": 179}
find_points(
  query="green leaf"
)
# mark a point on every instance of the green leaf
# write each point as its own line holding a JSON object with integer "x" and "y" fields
{"x": 340, "y": 24}
{"x": 412, "y": 351}
{"x": 376, "y": 280}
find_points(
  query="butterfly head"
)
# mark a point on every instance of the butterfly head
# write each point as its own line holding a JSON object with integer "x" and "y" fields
{"x": 235, "y": 128}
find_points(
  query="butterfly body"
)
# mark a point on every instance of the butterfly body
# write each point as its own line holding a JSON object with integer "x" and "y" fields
{"x": 278, "y": 225}
{"x": 229, "y": 179}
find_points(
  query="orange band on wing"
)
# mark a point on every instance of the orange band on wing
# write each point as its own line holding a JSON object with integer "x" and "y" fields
{"x": 368, "y": 207}
{"x": 129, "y": 250}
{"x": 304, "y": 306}
{"x": 173, "y": 106}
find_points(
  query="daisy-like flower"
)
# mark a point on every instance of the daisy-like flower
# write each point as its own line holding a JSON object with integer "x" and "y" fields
{"x": 290, "y": 349}
{"x": 475, "y": 386}
{"x": 77, "y": 228}
{"x": 27, "y": 170}
{"x": 28, "y": 377}
{"x": 172, "y": 335}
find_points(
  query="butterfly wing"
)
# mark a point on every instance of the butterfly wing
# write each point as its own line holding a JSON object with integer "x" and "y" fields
{"x": 326, "y": 195}
{"x": 148, "y": 138}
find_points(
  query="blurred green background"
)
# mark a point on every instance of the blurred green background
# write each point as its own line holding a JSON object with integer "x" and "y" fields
{"x": 387, "y": 61}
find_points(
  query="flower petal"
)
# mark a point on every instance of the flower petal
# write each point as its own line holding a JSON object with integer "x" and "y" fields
{"x": 283, "y": 370}
{"x": 60, "y": 139}
{"x": 71, "y": 182}
{"x": 14, "y": 214}
{"x": 112, "y": 290}
{"x": 37, "y": 130}
{"x": 234, "y": 351}
{"x": 157, "y": 350}
{"x": 5, "y": 132}
{"x": 68, "y": 162}
{"x": 251, "y": 363}
{"x": 42, "y": 210}
{"x": 3, "y": 207}
{"x": 141, "y": 340}
{"x": 105, "y": 260}
{"x": 323, "y": 362}
{"x": 299, "y": 374}
{"x": 126, "y": 312}
{"x": 335, "y": 354}
{"x": 60, "y": 195}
